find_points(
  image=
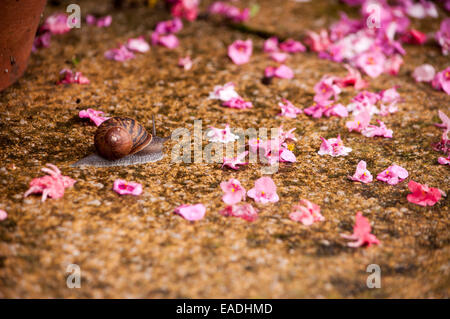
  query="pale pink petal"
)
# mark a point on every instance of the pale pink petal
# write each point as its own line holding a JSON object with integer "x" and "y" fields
{"x": 288, "y": 109}
{"x": 424, "y": 73}
{"x": 224, "y": 92}
{"x": 264, "y": 191}
{"x": 271, "y": 45}
{"x": 3, "y": 215}
{"x": 120, "y": 54}
{"x": 307, "y": 213}
{"x": 333, "y": 147}
{"x": 191, "y": 212}
{"x": 240, "y": 51}
{"x": 372, "y": 63}
{"x": 279, "y": 57}
{"x": 234, "y": 192}
{"x": 138, "y": 45}
{"x": 185, "y": 63}
{"x": 235, "y": 161}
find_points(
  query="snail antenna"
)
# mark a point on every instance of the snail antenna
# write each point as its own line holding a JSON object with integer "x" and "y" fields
{"x": 154, "y": 127}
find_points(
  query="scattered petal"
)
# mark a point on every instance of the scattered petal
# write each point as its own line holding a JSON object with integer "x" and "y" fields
{"x": 245, "y": 211}
{"x": 230, "y": 12}
{"x": 286, "y": 135}
{"x": 292, "y": 46}
{"x": 361, "y": 233}
{"x": 443, "y": 36}
{"x": 282, "y": 72}
{"x": 326, "y": 89}
{"x": 94, "y": 115}
{"x": 333, "y": 147}
{"x": 234, "y": 192}
{"x": 234, "y": 162}
{"x": 441, "y": 81}
{"x": 265, "y": 191}
{"x": 372, "y": 63}
{"x": 187, "y": 9}
{"x": 123, "y": 187}
{"x": 240, "y": 51}
{"x": 3, "y": 215}
{"x": 169, "y": 41}
{"x": 360, "y": 121}
{"x": 52, "y": 185}
{"x": 373, "y": 130}
{"x": 414, "y": 36}
{"x": 120, "y": 54}
{"x": 279, "y": 57}
{"x": 444, "y": 161}
{"x": 393, "y": 64}
{"x": 238, "y": 103}
{"x": 66, "y": 76}
{"x": 445, "y": 121}
{"x": 271, "y": 45}
{"x": 138, "y": 45}
{"x": 169, "y": 26}
{"x": 185, "y": 63}
{"x": 217, "y": 135}
{"x": 307, "y": 213}
{"x": 317, "y": 42}
{"x": 393, "y": 175}
{"x": 224, "y": 92}
{"x": 362, "y": 174}
{"x": 288, "y": 109}
{"x": 191, "y": 212}
{"x": 56, "y": 24}
{"x": 422, "y": 194}
{"x": 353, "y": 78}
{"x": 101, "y": 22}
{"x": 41, "y": 41}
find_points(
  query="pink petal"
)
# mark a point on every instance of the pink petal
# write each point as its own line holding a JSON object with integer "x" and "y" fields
{"x": 51, "y": 185}
{"x": 3, "y": 215}
{"x": 123, "y": 187}
{"x": 264, "y": 191}
{"x": 240, "y": 51}
{"x": 191, "y": 212}
{"x": 138, "y": 45}
{"x": 93, "y": 115}
{"x": 246, "y": 212}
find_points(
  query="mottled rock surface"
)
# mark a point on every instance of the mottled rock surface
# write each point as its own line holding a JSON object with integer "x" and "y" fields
{"x": 137, "y": 247}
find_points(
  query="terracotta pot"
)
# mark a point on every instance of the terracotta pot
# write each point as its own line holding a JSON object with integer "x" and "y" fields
{"x": 18, "y": 23}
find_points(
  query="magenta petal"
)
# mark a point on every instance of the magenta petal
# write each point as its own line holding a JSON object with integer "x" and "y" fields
{"x": 123, "y": 187}
{"x": 361, "y": 233}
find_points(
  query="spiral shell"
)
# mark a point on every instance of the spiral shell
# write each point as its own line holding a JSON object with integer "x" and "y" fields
{"x": 119, "y": 137}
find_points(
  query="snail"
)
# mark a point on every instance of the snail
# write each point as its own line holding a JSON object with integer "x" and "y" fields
{"x": 121, "y": 141}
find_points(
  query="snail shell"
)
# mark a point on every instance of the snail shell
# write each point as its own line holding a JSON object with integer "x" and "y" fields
{"x": 122, "y": 141}
{"x": 118, "y": 137}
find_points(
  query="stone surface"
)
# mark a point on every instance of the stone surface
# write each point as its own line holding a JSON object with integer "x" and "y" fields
{"x": 136, "y": 246}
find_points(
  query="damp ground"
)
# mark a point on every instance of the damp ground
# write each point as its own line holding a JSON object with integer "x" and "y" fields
{"x": 136, "y": 246}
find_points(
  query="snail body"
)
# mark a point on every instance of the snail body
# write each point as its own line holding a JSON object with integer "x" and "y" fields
{"x": 121, "y": 141}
